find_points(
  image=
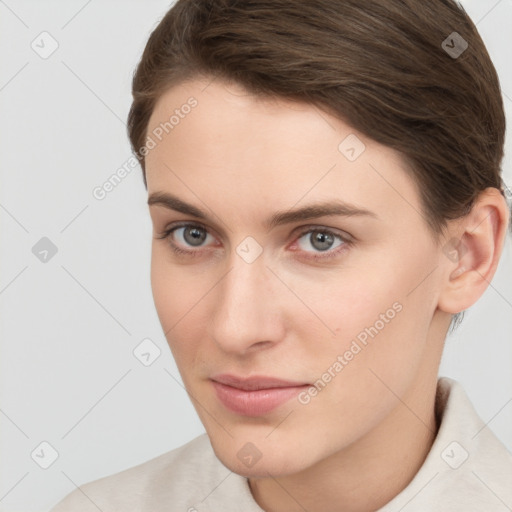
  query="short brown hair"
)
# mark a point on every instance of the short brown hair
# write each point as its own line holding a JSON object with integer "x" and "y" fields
{"x": 382, "y": 66}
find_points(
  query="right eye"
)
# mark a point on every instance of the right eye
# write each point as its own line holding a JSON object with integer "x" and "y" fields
{"x": 186, "y": 233}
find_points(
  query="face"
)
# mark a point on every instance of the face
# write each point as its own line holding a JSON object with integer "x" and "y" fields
{"x": 288, "y": 328}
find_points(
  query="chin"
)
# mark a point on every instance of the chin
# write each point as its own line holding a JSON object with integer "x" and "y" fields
{"x": 260, "y": 458}
{"x": 277, "y": 467}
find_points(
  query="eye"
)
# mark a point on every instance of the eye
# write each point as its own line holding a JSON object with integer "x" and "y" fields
{"x": 193, "y": 234}
{"x": 321, "y": 239}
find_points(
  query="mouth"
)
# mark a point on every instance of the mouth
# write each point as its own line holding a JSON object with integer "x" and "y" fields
{"x": 254, "y": 396}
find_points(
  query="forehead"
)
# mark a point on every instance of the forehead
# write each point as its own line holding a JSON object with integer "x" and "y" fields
{"x": 214, "y": 137}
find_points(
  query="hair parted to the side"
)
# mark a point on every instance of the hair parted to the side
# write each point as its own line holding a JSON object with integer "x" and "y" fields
{"x": 378, "y": 65}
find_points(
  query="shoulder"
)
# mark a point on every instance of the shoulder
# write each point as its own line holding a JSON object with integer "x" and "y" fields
{"x": 153, "y": 485}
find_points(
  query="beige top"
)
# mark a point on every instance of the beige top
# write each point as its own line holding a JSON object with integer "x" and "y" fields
{"x": 467, "y": 469}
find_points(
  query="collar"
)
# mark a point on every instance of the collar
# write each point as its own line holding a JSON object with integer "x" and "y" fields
{"x": 467, "y": 468}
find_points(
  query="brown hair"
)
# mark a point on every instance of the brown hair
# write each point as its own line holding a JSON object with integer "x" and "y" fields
{"x": 381, "y": 66}
{"x": 388, "y": 68}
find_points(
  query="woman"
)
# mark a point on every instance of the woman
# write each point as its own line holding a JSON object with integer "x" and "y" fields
{"x": 324, "y": 184}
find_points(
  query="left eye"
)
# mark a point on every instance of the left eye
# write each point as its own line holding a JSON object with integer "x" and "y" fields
{"x": 320, "y": 239}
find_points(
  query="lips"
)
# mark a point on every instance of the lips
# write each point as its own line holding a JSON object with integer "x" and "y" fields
{"x": 254, "y": 396}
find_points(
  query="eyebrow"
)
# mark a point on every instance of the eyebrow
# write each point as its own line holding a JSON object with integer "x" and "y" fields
{"x": 311, "y": 211}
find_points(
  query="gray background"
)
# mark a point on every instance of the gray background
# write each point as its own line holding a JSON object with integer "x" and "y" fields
{"x": 69, "y": 325}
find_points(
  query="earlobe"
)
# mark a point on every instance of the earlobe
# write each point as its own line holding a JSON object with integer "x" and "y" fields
{"x": 472, "y": 257}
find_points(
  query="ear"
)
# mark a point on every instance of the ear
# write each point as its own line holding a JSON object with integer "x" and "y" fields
{"x": 472, "y": 251}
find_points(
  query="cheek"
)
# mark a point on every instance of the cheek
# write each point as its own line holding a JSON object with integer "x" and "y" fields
{"x": 177, "y": 298}
{"x": 391, "y": 291}
{"x": 355, "y": 371}
{"x": 379, "y": 321}
{"x": 351, "y": 301}
{"x": 163, "y": 287}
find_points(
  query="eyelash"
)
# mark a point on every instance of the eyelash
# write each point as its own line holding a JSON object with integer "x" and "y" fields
{"x": 309, "y": 229}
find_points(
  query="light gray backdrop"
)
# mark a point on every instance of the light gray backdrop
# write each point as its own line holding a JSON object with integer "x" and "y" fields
{"x": 71, "y": 320}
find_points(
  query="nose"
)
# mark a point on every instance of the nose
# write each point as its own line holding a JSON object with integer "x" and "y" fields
{"x": 246, "y": 315}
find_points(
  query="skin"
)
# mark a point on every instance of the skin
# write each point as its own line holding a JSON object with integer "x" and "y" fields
{"x": 363, "y": 437}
